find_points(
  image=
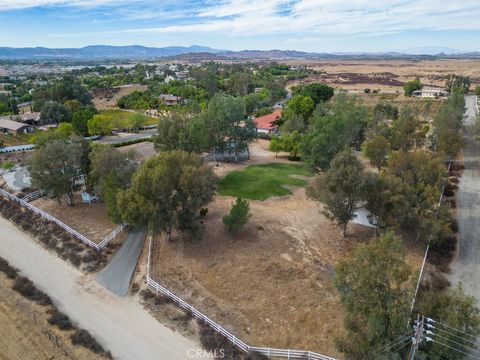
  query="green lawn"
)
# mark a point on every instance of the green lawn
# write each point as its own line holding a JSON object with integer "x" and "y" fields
{"x": 259, "y": 182}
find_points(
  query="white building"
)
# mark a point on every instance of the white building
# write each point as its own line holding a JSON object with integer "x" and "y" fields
{"x": 430, "y": 92}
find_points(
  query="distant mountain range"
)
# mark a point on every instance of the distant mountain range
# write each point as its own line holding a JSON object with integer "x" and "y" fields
{"x": 196, "y": 52}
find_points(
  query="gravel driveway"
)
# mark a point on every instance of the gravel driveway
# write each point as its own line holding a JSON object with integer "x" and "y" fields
{"x": 120, "y": 324}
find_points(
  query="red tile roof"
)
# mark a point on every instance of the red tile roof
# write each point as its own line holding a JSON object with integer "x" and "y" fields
{"x": 265, "y": 122}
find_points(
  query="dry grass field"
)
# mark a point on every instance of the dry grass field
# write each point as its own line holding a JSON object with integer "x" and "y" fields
{"x": 104, "y": 99}
{"x": 388, "y": 75}
{"x": 89, "y": 220}
{"x": 272, "y": 283}
{"x": 25, "y": 333}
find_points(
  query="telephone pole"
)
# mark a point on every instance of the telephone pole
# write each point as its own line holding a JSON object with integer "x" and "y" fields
{"x": 417, "y": 337}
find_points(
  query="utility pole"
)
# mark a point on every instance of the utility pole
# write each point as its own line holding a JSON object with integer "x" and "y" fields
{"x": 417, "y": 337}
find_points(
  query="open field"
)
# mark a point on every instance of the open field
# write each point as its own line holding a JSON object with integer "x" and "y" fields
{"x": 24, "y": 333}
{"x": 89, "y": 220}
{"x": 272, "y": 283}
{"x": 259, "y": 182}
{"x": 107, "y": 98}
{"x": 144, "y": 150}
{"x": 389, "y": 75}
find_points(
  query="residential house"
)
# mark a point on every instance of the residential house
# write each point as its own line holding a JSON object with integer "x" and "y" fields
{"x": 26, "y": 118}
{"x": 265, "y": 124}
{"x": 170, "y": 100}
{"x": 14, "y": 127}
{"x": 430, "y": 92}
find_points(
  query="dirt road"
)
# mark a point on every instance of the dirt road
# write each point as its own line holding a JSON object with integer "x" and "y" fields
{"x": 120, "y": 324}
{"x": 467, "y": 266}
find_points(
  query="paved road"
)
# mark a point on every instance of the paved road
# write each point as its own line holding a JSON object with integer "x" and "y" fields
{"x": 466, "y": 268}
{"x": 120, "y": 324}
{"x": 117, "y": 274}
{"x": 144, "y": 134}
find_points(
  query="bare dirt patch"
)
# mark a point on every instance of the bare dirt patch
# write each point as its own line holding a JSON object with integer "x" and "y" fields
{"x": 271, "y": 284}
{"x": 90, "y": 220}
{"x": 107, "y": 98}
{"x": 26, "y": 334}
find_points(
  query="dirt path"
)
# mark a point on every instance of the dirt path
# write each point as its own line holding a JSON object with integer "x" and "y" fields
{"x": 467, "y": 267}
{"x": 120, "y": 324}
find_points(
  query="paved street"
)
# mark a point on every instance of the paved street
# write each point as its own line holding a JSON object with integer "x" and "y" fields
{"x": 466, "y": 268}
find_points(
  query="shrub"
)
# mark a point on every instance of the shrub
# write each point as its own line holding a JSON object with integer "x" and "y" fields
{"x": 7, "y": 269}
{"x": 203, "y": 212}
{"x": 83, "y": 338}
{"x": 146, "y": 294}
{"x": 238, "y": 216}
{"x": 61, "y": 320}
{"x": 26, "y": 288}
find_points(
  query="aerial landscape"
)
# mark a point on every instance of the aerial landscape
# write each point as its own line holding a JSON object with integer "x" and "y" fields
{"x": 239, "y": 179}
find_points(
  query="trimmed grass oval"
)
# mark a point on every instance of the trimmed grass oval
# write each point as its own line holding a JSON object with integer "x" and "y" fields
{"x": 259, "y": 182}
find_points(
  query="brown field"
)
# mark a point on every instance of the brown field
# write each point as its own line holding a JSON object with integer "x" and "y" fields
{"x": 389, "y": 75}
{"x": 144, "y": 150}
{"x": 272, "y": 283}
{"x": 107, "y": 98}
{"x": 25, "y": 333}
{"x": 89, "y": 220}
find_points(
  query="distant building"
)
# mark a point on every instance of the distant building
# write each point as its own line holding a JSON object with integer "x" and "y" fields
{"x": 430, "y": 92}
{"x": 168, "y": 78}
{"x": 14, "y": 127}
{"x": 170, "y": 100}
{"x": 265, "y": 124}
{"x": 181, "y": 75}
{"x": 25, "y": 107}
{"x": 26, "y": 118}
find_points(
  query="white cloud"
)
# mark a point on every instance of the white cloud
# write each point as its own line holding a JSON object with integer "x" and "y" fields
{"x": 296, "y": 18}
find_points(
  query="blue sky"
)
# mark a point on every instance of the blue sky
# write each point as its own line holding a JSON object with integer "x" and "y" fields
{"x": 308, "y": 25}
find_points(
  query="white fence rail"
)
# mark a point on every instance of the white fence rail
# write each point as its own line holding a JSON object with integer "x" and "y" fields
{"x": 64, "y": 226}
{"x": 270, "y": 352}
{"x": 33, "y": 195}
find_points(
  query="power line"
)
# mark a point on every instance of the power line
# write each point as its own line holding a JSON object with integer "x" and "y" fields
{"x": 452, "y": 334}
{"x": 394, "y": 343}
{"x": 455, "y": 349}
{"x": 456, "y": 343}
{"x": 449, "y": 327}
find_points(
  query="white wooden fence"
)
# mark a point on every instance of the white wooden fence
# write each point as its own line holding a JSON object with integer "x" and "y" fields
{"x": 33, "y": 195}
{"x": 270, "y": 352}
{"x": 64, "y": 226}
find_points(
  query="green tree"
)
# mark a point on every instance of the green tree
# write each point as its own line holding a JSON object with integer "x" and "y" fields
{"x": 410, "y": 86}
{"x": 80, "y": 119}
{"x": 299, "y": 105}
{"x": 238, "y": 215}
{"x": 457, "y": 82}
{"x": 55, "y": 113}
{"x": 167, "y": 192}
{"x": 99, "y": 125}
{"x": 111, "y": 171}
{"x": 276, "y": 145}
{"x": 55, "y": 167}
{"x": 375, "y": 289}
{"x": 338, "y": 124}
{"x": 404, "y": 132}
{"x": 316, "y": 91}
{"x": 179, "y": 131}
{"x": 376, "y": 150}
{"x": 344, "y": 183}
{"x": 452, "y": 309}
{"x": 477, "y": 90}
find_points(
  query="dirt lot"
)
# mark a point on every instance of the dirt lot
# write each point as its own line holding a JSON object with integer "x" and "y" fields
{"x": 107, "y": 98}
{"x": 271, "y": 284}
{"x": 389, "y": 75}
{"x": 89, "y": 220}
{"x": 24, "y": 333}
